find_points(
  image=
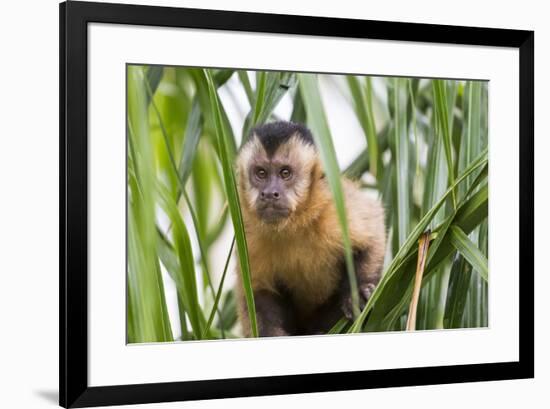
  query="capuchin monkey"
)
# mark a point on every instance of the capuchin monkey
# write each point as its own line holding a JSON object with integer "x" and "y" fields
{"x": 295, "y": 243}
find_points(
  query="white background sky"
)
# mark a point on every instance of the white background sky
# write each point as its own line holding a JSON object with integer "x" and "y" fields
{"x": 29, "y": 205}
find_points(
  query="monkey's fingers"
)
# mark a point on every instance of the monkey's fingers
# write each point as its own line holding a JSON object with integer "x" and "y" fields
{"x": 367, "y": 290}
{"x": 347, "y": 305}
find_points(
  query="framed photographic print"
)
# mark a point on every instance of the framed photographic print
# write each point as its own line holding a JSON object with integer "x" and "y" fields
{"x": 257, "y": 204}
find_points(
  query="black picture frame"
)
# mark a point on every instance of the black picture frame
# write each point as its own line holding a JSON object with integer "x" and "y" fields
{"x": 74, "y": 17}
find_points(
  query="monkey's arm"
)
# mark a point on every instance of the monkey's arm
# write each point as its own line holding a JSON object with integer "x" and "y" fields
{"x": 368, "y": 267}
{"x": 273, "y": 314}
{"x": 368, "y": 235}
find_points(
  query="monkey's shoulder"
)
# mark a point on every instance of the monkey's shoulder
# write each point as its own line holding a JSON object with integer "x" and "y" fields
{"x": 365, "y": 215}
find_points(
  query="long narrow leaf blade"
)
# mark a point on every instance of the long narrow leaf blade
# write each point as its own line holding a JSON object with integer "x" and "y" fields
{"x": 442, "y": 112}
{"x": 323, "y": 139}
{"x": 186, "y": 279}
{"x": 362, "y": 102}
{"x": 233, "y": 201}
{"x": 401, "y": 160}
{"x": 470, "y": 252}
{"x": 146, "y": 308}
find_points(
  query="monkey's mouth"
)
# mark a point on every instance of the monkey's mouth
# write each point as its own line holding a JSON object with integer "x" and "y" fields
{"x": 272, "y": 214}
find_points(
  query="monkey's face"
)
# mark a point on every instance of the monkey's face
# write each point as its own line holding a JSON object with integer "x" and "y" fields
{"x": 276, "y": 184}
{"x": 272, "y": 182}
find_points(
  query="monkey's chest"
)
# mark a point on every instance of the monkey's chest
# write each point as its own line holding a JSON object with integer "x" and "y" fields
{"x": 309, "y": 270}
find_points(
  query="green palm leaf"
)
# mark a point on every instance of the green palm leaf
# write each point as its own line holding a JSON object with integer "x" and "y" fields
{"x": 314, "y": 109}
{"x": 227, "y": 160}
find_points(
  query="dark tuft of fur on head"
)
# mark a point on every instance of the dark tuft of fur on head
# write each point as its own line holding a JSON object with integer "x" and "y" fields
{"x": 274, "y": 134}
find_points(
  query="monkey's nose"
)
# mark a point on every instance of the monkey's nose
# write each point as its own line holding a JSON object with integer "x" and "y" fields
{"x": 270, "y": 195}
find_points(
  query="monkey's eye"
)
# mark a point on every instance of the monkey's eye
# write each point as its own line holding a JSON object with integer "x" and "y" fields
{"x": 285, "y": 173}
{"x": 261, "y": 173}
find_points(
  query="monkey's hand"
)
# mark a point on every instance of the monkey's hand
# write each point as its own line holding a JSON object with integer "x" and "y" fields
{"x": 365, "y": 292}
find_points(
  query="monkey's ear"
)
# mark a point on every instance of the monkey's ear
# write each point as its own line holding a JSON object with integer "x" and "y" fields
{"x": 318, "y": 172}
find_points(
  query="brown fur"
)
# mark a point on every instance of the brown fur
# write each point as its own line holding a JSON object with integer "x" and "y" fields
{"x": 304, "y": 253}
